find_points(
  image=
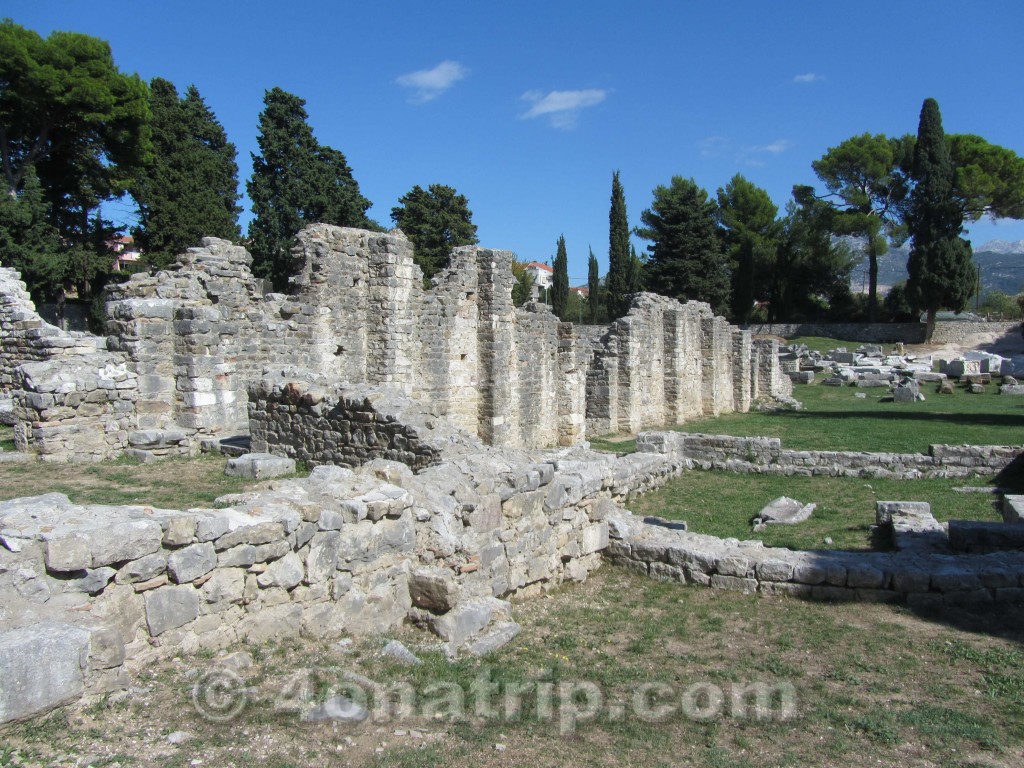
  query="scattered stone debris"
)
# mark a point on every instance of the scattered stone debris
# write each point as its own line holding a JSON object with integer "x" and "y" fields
{"x": 783, "y": 511}
{"x": 399, "y": 652}
{"x": 339, "y": 709}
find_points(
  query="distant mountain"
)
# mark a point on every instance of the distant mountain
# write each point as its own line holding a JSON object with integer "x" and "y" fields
{"x": 1001, "y": 264}
{"x": 1004, "y": 247}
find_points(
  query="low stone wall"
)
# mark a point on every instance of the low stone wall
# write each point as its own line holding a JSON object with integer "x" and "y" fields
{"x": 340, "y": 552}
{"x": 954, "y": 332}
{"x": 765, "y": 455}
{"x": 868, "y": 333}
{"x": 922, "y": 579}
{"x": 945, "y": 332}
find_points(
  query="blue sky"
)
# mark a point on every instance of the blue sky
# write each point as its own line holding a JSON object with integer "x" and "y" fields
{"x": 528, "y": 107}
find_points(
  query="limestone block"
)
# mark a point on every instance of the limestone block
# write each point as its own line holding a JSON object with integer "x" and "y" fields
{"x": 434, "y": 589}
{"x": 190, "y": 563}
{"x": 68, "y": 553}
{"x": 95, "y": 580}
{"x": 322, "y": 558}
{"x": 179, "y": 530}
{"x": 469, "y": 618}
{"x": 120, "y": 541}
{"x": 225, "y": 585}
{"x": 43, "y": 667}
{"x": 257, "y": 533}
{"x": 143, "y": 569}
{"x": 1013, "y": 509}
{"x": 259, "y": 466}
{"x": 285, "y": 573}
{"x": 774, "y": 570}
{"x": 971, "y": 535}
{"x": 170, "y": 607}
{"x": 594, "y": 538}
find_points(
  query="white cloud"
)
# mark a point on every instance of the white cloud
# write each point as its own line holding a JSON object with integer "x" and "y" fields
{"x": 777, "y": 147}
{"x": 563, "y": 107}
{"x": 714, "y": 146}
{"x": 808, "y": 77}
{"x": 428, "y": 84}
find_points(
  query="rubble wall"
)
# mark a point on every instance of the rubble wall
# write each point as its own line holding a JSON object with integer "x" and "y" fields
{"x": 340, "y": 552}
{"x": 27, "y": 337}
{"x": 765, "y": 456}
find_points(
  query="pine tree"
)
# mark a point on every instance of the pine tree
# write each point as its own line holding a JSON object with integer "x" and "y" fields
{"x": 594, "y": 309}
{"x": 618, "y": 250}
{"x": 435, "y": 220}
{"x": 686, "y": 260}
{"x": 560, "y": 281}
{"x": 28, "y": 242}
{"x": 190, "y": 191}
{"x": 749, "y": 232}
{"x": 941, "y": 271}
{"x": 295, "y": 182}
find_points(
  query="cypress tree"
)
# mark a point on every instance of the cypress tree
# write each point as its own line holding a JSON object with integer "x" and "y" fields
{"x": 941, "y": 271}
{"x": 28, "y": 242}
{"x": 618, "y": 250}
{"x": 295, "y": 182}
{"x": 190, "y": 190}
{"x": 594, "y": 314}
{"x": 560, "y": 281}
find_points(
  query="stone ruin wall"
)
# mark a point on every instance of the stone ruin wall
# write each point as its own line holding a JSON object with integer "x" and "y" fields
{"x": 186, "y": 344}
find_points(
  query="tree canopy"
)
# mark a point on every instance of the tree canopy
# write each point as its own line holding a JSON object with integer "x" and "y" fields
{"x": 436, "y": 220}
{"x": 295, "y": 182}
{"x": 190, "y": 190}
{"x": 867, "y": 177}
{"x": 686, "y": 260}
{"x": 747, "y": 214}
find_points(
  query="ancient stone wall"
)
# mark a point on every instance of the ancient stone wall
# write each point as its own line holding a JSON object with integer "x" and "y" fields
{"x": 946, "y": 331}
{"x": 197, "y": 336}
{"x": 666, "y": 362}
{"x": 26, "y": 337}
{"x": 765, "y": 456}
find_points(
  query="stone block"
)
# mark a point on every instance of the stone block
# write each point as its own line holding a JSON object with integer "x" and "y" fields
{"x": 68, "y": 553}
{"x": 469, "y": 618}
{"x": 774, "y": 570}
{"x": 434, "y": 589}
{"x": 285, "y": 573}
{"x": 974, "y": 536}
{"x": 259, "y": 466}
{"x": 188, "y": 564}
{"x": 170, "y": 607}
{"x": 43, "y": 667}
{"x": 734, "y": 583}
{"x": 1013, "y": 509}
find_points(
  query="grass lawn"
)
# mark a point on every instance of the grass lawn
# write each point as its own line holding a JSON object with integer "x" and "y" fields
{"x": 723, "y": 503}
{"x": 833, "y": 418}
{"x": 176, "y": 483}
{"x": 871, "y": 685}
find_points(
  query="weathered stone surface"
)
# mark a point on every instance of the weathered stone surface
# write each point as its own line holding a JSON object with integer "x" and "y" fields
{"x": 469, "y": 618}
{"x": 170, "y": 607}
{"x": 190, "y": 563}
{"x": 43, "y": 667}
{"x": 433, "y": 589}
{"x": 286, "y": 572}
{"x": 259, "y": 466}
{"x": 785, "y": 511}
{"x": 399, "y": 652}
{"x": 338, "y": 709}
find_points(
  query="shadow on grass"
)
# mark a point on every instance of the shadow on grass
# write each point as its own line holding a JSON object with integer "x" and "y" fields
{"x": 975, "y": 419}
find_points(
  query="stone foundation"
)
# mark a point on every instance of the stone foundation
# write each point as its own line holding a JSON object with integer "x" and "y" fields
{"x": 765, "y": 456}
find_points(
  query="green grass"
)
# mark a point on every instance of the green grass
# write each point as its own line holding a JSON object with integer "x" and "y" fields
{"x": 833, "y": 418}
{"x": 6, "y": 438}
{"x": 174, "y": 483}
{"x": 873, "y": 684}
{"x": 723, "y": 503}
